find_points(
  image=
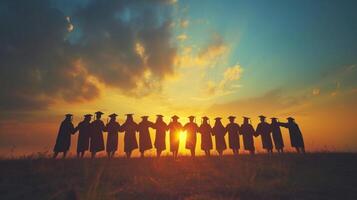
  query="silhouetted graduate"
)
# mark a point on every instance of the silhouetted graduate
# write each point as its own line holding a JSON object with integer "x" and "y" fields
{"x": 175, "y": 128}
{"x": 277, "y": 137}
{"x": 144, "y": 135}
{"x": 112, "y": 128}
{"x": 130, "y": 128}
{"x": 63, "y": 141}
{"x": 248, "y": 132}
{"x": 96, "y": 139}
{"x": 233, "y": 135}
{"x": 191, "y": 129}
{"x": 206, "y": 140}
{"x": 161, "y": 128}
{"x": 84, "y": 129}
{"x": 296, "y": 139}
{"x": 264, "y": 130}
{"x": 219, "y": 131}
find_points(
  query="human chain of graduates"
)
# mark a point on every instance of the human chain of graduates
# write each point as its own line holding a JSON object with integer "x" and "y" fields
{"x": 90, "y": 135}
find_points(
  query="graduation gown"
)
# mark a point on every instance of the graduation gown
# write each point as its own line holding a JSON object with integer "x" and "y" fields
{"x": 233, "y": 135}
{"x": 295, "y": 134}
{"x": 264, "y": 130}
{"x": 96, "y": 139}
{"x": 84, "y": 129}
{"x": 63, "y": 140}
{"x": 277, "y": 136}
{"x": 160, "y": 135}
{"x": 248, "y": 132}
{"x": 219, "y": 132}
{"x": 191, "y": 132}
{"x": 130, "y": 143}
{"x": 206, "y": 139}
{"x": 175, "y": 128}
{"x": 144, "y": 135}
{"x": 112, "y": 140}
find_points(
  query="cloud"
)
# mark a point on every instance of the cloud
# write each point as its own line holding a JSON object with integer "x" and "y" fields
{"x": 182, "y": 37}
{"x": 47, "y": 56}
{"x": 224, "y": 86}
{"x": 212, "y": 54}
{"x": 316, "y": 91}
{"x": 184, "y": 23}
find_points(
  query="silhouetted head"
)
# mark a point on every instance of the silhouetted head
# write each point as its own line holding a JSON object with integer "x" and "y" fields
{"x": 88, "y": 117}
{"x": 231, "y": 119}
{"x": 246, "y": 120}
{"x": 262, "y": 118}
{"x": 175, "y": 118}
{"x": 290, "y": 119}
{"x": 191, "y": 118}
{"x": 113, "y": 117}
{"x": 129, "y": 117}
{"x": 159, "y": 118}
{"x": 145, "y": 118}
{"x": 217, "y": 120}
{"x": 68, "y": 117}
{"x": 98, "y": 114}
{"x": 274, "y": 119}
{"x": 205, "y": 119}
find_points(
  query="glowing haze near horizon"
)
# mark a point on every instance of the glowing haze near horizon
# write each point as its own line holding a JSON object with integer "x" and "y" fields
{"x": 215, "y": 58}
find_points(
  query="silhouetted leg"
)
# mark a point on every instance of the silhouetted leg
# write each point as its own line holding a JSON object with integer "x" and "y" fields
{"x": 82, "y": 154}
{"x": 93, "y": 154}
{"x": 282, "y": 150}
{"x": 113, "y": 154}
{"x": 192, "y": 152}
{"x": 158, "y": 153}
{"x": 64, "y": 154}
{"x": 303, "y": 150}
{"x": 128, "y": 154}
{"x": 55, "y": 154}
{"x": 220, "y": 152}
{"x": 235, "y": 151}
{"x": 297, "y": 149}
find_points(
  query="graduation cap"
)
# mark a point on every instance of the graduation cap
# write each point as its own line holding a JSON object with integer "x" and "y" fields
{"x": 290, "y": 118}
{"x": 68, "y": 115}
{"x": 191, "y": 117}
{"x": 113, "y": 115}
{"x": 205, "y": 118}
{"x": 159, "y": 116}
{"x": 246, "y": 119}
{"x": 99, "y": 113}
{"x": 274, "y": 119}
{"x": 231, "y": 117}
{"x": 144, "y": 117}
{"x": 88, "y": 115}
{"x": 218, "y": 118}
{"x": 262, "y": 117}
{"x": 175, "y": 117}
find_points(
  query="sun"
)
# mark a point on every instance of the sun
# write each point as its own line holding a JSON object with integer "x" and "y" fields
{"x": 182, "y": 136}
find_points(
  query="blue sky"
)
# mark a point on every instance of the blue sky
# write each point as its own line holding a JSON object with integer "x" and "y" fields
{"x": 280, "y": 42}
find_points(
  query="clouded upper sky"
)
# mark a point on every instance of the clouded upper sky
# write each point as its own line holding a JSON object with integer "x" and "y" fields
{"x": 277, "y": 58}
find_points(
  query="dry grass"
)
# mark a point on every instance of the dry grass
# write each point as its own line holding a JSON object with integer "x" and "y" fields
{"x": 314, "y": 176}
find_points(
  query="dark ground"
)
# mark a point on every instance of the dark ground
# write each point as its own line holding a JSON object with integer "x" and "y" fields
{"x": 291, "y": 176}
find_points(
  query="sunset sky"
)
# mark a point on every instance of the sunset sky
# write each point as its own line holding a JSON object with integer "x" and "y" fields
{"x": 217, "y": 58}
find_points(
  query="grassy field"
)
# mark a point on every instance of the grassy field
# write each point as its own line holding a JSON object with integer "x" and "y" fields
{"x": 291, "y": 176}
